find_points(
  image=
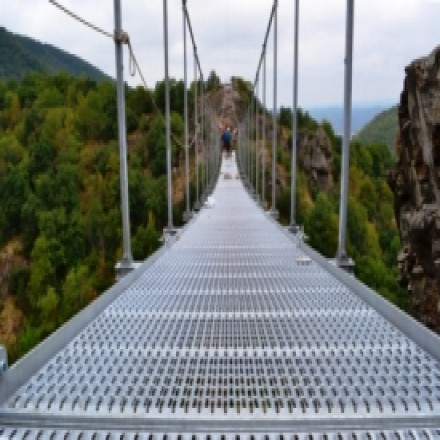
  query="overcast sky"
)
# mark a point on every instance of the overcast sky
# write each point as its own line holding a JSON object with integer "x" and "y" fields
{"x": 229, "y": 34}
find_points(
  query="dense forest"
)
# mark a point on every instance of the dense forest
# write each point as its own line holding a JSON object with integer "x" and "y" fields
{"x": 60, "y": 222}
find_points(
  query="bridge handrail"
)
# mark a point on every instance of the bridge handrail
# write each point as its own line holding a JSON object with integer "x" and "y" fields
{"x": 424, "y": 337}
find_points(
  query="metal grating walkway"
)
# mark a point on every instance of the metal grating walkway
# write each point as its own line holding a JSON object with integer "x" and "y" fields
{"x": 234, "y": 330}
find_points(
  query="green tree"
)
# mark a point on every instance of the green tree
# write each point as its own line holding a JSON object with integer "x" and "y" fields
{"x": 285, "y": 117}
{"x": 146, "y": 239}
{"x": 213, "y": 81}
{"x": 77, "y": 291}
{"x": 97, "y": 113}
{"x": 48, "y": 305}
{"x": 14, "y": 190}
{"x": 156, "y": 144}
{"x": 42, "y": 271}
{"x": 322, "y": 226}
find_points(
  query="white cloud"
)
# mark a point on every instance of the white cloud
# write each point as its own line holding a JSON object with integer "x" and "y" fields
{"x": 229, "y": 35}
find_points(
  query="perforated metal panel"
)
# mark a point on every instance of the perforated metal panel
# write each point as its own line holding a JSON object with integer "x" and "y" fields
{"x": 421, "y": 434}
{"x": 233, "y": 331}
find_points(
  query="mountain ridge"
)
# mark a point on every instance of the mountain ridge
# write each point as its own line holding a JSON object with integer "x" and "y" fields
{"x": 382, "y": 128}
{"x": 21, "y": 55}
{"x": 361, "y": 115}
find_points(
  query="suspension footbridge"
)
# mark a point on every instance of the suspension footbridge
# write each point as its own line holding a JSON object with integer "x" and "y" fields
{"x": 234, "y": 329}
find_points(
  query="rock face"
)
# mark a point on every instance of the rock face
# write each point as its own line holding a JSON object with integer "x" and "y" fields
{"x": 416, "y": 186}
{"x": 315, "y": 158}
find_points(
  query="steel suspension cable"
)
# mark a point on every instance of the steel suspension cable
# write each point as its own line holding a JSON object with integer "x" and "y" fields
{"x": 80, "y": 19}
{"x": 120, "y": 37}
{"x": 262, "y": 64}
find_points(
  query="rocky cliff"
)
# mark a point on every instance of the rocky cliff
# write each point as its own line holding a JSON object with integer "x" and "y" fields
{"x": 416, "y": 185}
{"x": 316, "y": 159}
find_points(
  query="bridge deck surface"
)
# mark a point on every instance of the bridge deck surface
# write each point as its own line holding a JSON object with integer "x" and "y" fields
{"x": 231, "y": 331}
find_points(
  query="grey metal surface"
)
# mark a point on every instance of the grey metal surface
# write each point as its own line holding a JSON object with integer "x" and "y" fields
{"x": 237, "y": 330}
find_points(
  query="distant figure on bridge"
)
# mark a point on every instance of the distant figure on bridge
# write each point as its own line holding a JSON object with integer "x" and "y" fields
{"x": 227, "y": 139}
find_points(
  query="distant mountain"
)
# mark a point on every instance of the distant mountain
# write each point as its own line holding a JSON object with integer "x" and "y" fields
{"x": 19, "y": 55}
{"x": 361, "y": 115}
{"x": 382, "y": 128}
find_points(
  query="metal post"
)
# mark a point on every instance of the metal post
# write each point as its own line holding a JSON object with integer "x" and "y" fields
{"x": 187, "y": 213}
{"x": 202, "y": 136}
{"x": 169, "y": 229}
{"x": 293, "y": 226}
{"x": 274, "y": 211}
{"x": 241, "y": 147}
{"x": 341, "y": 256}
{"x": 256, "y": 142}
{"x": 126, "y": 263}
{"x": 196, "y": 128}
{"x": 263, "y": 158}
{"x": 205, "y": 148}
{"x": 251, "y": 137}
{"x": 249, "y": 146}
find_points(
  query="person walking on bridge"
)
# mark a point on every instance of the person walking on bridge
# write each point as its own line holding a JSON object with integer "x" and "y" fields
{"x": 226, "y": 139}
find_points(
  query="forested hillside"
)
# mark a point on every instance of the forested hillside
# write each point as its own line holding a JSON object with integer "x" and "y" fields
{"x": 382, "y": 129}
{"x": 20, "y": 55}
{"x": 60, "y": 222}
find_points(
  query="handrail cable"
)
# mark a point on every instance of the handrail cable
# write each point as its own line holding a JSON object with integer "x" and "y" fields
{"x": 77, "y": 17}
{"x": 122, "y": 37}
{"x": 263, "y": 52}
{"x": 266, "y": 37}
{"x": 191, "y": 33}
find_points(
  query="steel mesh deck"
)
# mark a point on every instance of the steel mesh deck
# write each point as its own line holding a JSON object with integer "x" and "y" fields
{"x": 233, "y": 333}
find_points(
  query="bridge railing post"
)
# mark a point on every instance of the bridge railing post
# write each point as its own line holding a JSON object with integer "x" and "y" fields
{"x": 293, "y": 226}
{"x": 126, "y": 264}
{"x": 169, "y": 230}
{"x": 251, "y": 143}
{"x": 256, "y": 142}
{"x": 196, "y": 130}
{"x": 263, "y": 157}
{"x": 274, "y": 211}
{"x": 187, "y": 214}
{"x": 342, "y": 258}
